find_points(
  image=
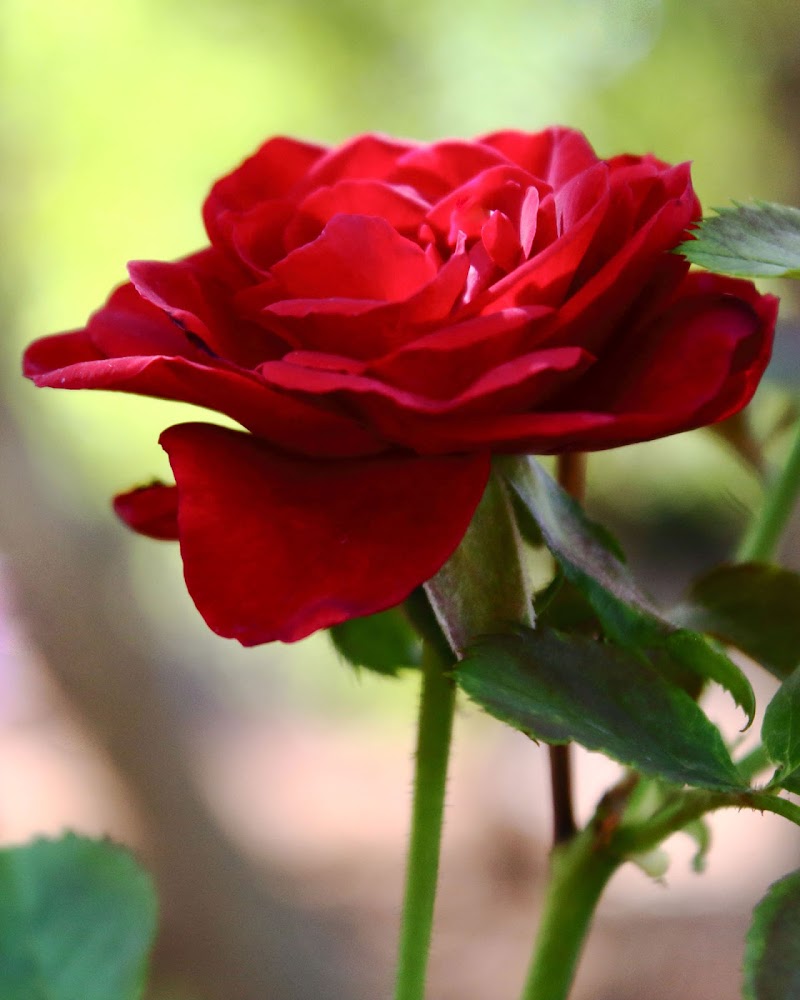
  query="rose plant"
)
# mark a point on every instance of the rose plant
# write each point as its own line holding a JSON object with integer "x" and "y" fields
{"x": 396, "y": 326}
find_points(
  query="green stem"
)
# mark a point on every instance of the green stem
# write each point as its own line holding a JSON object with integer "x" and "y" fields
{"x": 765, "y": 802}
{"x": 691, "y": 805}
{"x": 684, "y": 808}
{"x": 437, "y": 702}
{"x": 764, "y": 535}
{"x": 579, "y": 871}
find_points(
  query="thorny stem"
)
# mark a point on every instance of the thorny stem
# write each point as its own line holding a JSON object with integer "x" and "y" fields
{"x": 437, "y": 702}
{"x": 579, "y": 871}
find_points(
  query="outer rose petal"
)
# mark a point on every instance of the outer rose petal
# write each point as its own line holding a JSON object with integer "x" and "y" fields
{"x": 150, "y": 510}
{"x": 288, "y": 422}
{"x": 275, "y": 547}
{"x": 646, "y": 390}
{"x": 196, "y": 293}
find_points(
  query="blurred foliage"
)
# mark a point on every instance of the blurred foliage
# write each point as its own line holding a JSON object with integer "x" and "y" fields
{"x": 115, "y": 118}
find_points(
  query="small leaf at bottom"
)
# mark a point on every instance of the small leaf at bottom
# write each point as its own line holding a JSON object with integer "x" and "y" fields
{"x": 383, "y": 642}
{"x": 77, "y": 919}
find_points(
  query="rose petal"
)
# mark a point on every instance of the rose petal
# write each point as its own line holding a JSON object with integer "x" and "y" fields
{"x": 356, "y": 256}
{"x": 555, "y": 155}
{"x": 287, "y": 422}
{"x": 467, "y": 208}
{"x": 150, "y": 510}
{"x": 443, "y": 363}
{"x": 363, "y": 328}
{"x": 545, "y": 278}
{"x": 438, "y": 168}
{"x": 407, "y": 418}
{"x": 197, "y": 293}
{"x": 501, "y": 240}
{"x": 271, "y": 172}
{"x": 402, "y": 209}
{"x": 275, "y": 547}
{"x": 372, "y": 157}
{"x": 257, "y": 235}
{"x": 46, "y": 354}
{"x": 723, "y": 326}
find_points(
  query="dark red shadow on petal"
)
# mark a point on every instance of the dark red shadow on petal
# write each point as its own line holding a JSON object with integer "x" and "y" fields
{"x": 275, "y": 547}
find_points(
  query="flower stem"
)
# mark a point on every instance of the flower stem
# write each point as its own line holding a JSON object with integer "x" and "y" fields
{"x": 437, "y": 702}
{"x": 579, "y": 871}
{"x": 762, "y": 539}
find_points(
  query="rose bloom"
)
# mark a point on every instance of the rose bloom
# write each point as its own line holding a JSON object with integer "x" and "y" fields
{"x": 380, "y": 318}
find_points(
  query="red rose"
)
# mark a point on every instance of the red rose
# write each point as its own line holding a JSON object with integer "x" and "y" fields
{"x": 380, "y": 318}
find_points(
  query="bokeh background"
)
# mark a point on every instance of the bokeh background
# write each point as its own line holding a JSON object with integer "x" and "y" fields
{"x": 268, "y": 789}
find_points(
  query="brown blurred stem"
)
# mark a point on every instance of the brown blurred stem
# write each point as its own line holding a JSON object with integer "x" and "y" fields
{"x": 571, "y": 474}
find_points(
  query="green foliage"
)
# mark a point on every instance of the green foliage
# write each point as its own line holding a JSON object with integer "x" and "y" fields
{"x": 383, "y": 642}
{"x": 772, "y": 950}
{"x": 484, "y": 585}
{"x": 751, "y": 241}
{"x": 591, "y": 562}
{"x": 77, "y": 919}
{"x": 781, "y": 732}
{"x": 560, "y": 688}
{"x": 561, "y": 606}
{"x": 753, "y": 606}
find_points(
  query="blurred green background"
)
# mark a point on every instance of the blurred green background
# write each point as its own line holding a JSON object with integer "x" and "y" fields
{"x": 116, "y": 117}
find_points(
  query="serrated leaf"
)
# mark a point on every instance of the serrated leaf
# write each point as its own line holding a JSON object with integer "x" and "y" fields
{"x": 484, "y": 585}
{"x": 560, "y": 605}
{"x": 560, "y": 688}
{"x": 780, "y": 731}
{"x": 591, "y": 562}
{"x": 753, "y": 606}
{"x": 772, "y": 946}
{"x": 383, "y": 642}
{"x": 77, "y": 920}
{"x": 761, "y": 240}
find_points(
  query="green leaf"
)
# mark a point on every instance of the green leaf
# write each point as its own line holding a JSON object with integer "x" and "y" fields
{"x": 484, "y": 585}
{"x": 780, "y": 732}
{"x": 761, "y": 240}
{"x": 559, "y": 688}
{"x": 383, "y": 642}
{"x": 77, "y": 919}
{"x": 772, "y": 947}
{"x": 753, "y": 606}
{"x": 591, "y": 562}
{"x": 561, "y": 606}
